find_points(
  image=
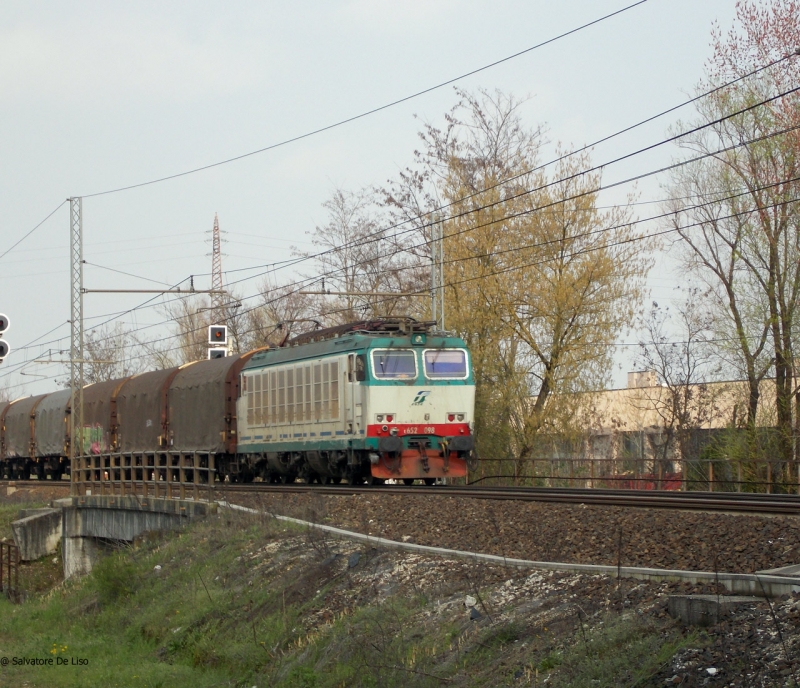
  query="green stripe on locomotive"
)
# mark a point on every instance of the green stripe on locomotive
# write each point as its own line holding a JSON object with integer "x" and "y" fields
{"x": 360, "y": 343}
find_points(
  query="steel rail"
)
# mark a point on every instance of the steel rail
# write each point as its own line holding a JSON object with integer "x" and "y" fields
{"x": 732, "y": 502}
{"x": 695, "y": 501}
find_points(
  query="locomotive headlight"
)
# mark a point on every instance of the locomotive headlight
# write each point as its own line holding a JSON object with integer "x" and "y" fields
{"x": 384, "y": 428}
{"x": 379, "y": 417}
{"x": 460, "y": 416}
{"x": 393, "y": 432}
{"x": 389, "y": 417}
{"x": 451, "y": 417}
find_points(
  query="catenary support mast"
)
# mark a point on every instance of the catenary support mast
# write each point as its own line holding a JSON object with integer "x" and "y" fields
{"x": 76, "y": 329}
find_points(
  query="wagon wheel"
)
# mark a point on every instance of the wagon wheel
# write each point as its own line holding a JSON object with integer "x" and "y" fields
{"x": 430, "y": 481}
{"x": 408, "y": 481}
{"x": 372, "y": 480}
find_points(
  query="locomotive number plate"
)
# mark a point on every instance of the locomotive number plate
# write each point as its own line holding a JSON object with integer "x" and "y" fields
{"x": 414, "y": 430}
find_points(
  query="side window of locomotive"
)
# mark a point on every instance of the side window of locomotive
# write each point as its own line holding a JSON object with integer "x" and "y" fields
{"x": 394, "y": 364}
{"x": 448, "y": 364}
{"x": 361, "y": 368}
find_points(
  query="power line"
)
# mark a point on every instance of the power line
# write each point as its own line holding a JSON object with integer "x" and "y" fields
{"x": 129, "y": 274}
{"x": 368, "y": 112}
{"x": 307, "y": 281}
{"x": 378, "y": 235}
{"x": 540, "y": 244}
{"x": 574, "y": 254}
{"x": 18, "y": 242}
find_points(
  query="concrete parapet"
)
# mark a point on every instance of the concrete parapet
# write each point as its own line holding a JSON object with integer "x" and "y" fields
{"x": 705, "y": 610}
{"x": 178, "y": 507}
{"x": 37, "y": 534}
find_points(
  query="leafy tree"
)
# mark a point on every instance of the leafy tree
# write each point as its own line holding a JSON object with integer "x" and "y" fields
{"x": 539, "y": 281}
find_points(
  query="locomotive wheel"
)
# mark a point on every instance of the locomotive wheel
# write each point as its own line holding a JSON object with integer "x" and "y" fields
{"x": 353, "y": 478}
{"x": 430, "y": 481}
{"x": 372, "y": 480}
{"x": 287, "y": 478}
{"x": 408, "y": 481}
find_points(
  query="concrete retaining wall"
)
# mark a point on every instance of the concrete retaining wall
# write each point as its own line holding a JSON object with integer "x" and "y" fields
{"x": 93, "y": 524}
{"x": 37, "y": 535}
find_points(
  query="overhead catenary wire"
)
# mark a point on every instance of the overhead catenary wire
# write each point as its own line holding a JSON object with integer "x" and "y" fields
{"x": 25, "y": 236}
{"x": 540, "y": 262}
{"x": 527, "y": 191}
{"x": 308, "y": 281}
{"x": 514, "y": 178}
{"x": 577, "y": 237}
{"x": 372, "y": 111}
{"x": 439, "y": 208}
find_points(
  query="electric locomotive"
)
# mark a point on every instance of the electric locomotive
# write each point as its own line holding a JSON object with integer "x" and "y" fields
{"x": 379, "y": 400}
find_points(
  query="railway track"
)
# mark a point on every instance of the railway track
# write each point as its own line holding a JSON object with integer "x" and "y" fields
{"x": 733, "y": 502}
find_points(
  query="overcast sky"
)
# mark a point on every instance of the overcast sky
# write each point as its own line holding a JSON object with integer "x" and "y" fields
{"x": 98, "y": 95}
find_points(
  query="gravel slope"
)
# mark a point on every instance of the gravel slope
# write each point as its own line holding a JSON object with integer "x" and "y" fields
{"x": 552, "y": 532}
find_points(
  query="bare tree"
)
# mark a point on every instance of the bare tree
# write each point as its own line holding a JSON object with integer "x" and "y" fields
{"x": 740, "y": 202}
{"x": 677, "y": 346}
{"x": 110, "y": 352}
{"x": 282, "y": 313}
{"x": 365, "y": 261}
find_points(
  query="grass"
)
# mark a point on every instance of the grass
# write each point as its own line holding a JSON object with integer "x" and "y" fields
{"x": 241, "y": 601}
{"x": 622, "y": 652}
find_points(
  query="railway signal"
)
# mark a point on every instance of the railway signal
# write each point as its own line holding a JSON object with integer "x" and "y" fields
{"x": 4, "y": 347}
{"x": 218, "y": 334}
{"x": 217, "y": 352}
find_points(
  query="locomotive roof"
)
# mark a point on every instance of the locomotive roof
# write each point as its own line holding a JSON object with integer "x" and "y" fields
{"x": 354, "y": 341}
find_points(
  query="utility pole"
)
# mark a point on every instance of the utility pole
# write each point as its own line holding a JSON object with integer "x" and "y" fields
{"x": 76, "y": 330}
{"x": 437, "y": 270}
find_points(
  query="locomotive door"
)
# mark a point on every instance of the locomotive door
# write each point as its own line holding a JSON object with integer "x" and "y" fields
{"x": 353, "y": 401}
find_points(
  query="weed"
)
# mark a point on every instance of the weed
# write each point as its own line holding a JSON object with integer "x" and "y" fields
{"x": 114, "y": 578}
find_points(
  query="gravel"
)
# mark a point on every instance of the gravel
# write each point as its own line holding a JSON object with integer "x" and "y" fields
{"x": 552, "y": 532}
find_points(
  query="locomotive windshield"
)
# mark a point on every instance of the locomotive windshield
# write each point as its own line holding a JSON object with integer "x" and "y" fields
{"x": 446, "y": 363}
{"x": 394, "y": 364}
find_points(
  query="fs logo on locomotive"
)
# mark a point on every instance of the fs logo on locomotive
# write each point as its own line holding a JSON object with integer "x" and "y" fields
{"x": 422, "y": 395}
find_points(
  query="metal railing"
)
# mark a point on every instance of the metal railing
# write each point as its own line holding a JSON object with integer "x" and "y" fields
{"x": 9, "y": 571}
{"x": 713, "y": 475}
{"x": 170, "y": 475}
